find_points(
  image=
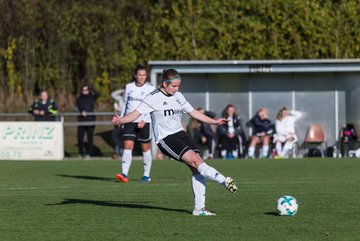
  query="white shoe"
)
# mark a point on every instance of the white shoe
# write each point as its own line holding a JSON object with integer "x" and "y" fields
{"x": 203, "y": 212}
{"x": 230, "y": 185}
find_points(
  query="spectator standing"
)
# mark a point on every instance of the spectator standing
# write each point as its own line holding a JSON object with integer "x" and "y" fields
{"x": 85, "y": 104}
{"x": 44, "y": 108}
{"x": 263, "y": 129}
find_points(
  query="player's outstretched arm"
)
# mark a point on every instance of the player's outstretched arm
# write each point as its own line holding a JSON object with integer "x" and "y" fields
{"x": 117, "y": 120}
{"x": 204, "y": 118}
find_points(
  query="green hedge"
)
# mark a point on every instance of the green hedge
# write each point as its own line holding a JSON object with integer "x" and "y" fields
{"x": 59, "y": 44}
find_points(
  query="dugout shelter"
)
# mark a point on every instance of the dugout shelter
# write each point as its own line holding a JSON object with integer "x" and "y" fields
{"x": 327, "y": 92}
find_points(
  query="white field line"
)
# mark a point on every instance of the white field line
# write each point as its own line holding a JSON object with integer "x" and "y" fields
{"x": 83, "y": 187}
{"x": 177, "y": 184}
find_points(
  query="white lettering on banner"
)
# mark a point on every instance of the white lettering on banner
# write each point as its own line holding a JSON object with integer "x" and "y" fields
{"x": 43, "y": 132}
{"x": 31, "y": 141}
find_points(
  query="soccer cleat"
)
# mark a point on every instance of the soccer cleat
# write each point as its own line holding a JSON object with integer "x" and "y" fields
{"x": 122, "y": 178}
{"x": 203, "y": 212}
{"x": 230, "y": 185}
{"x": 145, "y": 179}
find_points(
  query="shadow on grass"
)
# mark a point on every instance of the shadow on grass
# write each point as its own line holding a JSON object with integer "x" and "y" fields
{"x": 117, "y": 205}
{"x": 93, "y": 178}
{"x": 272, "y": 213}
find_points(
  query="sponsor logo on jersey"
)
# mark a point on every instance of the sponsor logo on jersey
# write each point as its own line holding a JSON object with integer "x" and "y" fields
{"x": 130, "y": 98}
{"x": 170, "y": 112}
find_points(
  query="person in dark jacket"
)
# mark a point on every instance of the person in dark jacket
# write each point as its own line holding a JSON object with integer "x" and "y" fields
{"x": 85, "y": 104}
{"x": 203, "y": 134}
{"x": 231, "y": 135}
{"x": 44, "y": 108}
{"x": 263, "y": 129}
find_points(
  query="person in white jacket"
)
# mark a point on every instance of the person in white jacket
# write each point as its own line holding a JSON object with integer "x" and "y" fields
{"x": 285, "y": 136}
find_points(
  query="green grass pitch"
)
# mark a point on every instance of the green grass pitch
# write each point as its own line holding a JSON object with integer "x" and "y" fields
{"x": 80, "y": 200}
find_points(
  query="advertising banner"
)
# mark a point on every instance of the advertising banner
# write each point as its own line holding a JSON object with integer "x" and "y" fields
{"x": 31, "y": 140}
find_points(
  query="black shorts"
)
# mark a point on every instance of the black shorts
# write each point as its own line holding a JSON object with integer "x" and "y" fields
{"x": 176, "y": 145}
{"x": 131, "y": 132}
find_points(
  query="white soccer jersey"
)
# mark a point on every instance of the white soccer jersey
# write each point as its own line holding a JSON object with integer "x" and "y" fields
{"x": 133, "y": 96}
{"x": 166, "y": 112}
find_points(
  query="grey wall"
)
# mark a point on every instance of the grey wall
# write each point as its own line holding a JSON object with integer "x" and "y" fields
{"x": 349, "y": 84}
{"x": 314, "y": 94}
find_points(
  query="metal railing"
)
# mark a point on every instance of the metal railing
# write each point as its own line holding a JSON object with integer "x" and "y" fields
{"x": 62, "y": 117}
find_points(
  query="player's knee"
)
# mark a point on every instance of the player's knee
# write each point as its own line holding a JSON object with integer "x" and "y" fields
{"x": 197, "y": 160}
{"x": 128, "y": 145}
{"x": 145, "y": 147}
{"x": 192, "y": 158}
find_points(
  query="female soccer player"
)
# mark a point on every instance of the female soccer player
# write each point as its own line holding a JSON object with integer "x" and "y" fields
{"x": 166, "y": 106}
{"x": 138, "y": 128}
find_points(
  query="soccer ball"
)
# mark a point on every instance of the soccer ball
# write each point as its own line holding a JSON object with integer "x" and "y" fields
{"x": 286, "y": 206}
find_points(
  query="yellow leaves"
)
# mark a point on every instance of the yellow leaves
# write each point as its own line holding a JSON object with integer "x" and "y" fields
{"x": 102, "y": 84}
{"x": 9, "y": 51}
{"x": 13, "y": 80}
